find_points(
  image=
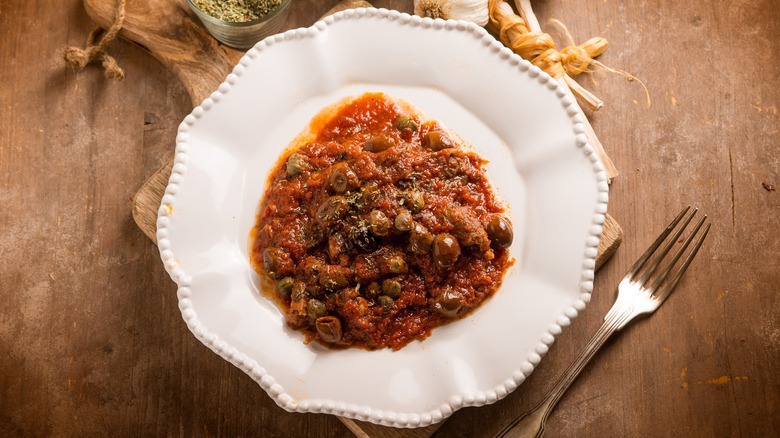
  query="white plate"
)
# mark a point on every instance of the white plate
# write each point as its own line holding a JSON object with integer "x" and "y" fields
{"x": 511, "y": 112}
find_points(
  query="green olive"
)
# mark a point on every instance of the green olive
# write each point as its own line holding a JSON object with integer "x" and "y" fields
{"x": 342, "y": 178}
{"x": 403, "y": 220}
{"x": 415, "y": 200}
{"x": 315, "y": 309}
{"x": 446, "y": 250}
{"x": 448, "y": 304}
{"x": 391, "y": 288}
{"x": 274, "y": 260}
{"x": 379, "y": 143}
{"x": 296, "y": 164}
{"x": 386, "y": 303}
{"x": 403, "y": 123}
{"x": 499, "y": 230}
{"x": 328, "y": 329}
{"x": 397, "y": 265}
{"x": 437, "y": 140}
{"x": 332, "y": 210}
{"x": 420, "y": 239}
{"x": 378, "y": 223}
{"x": 284, "y": 287}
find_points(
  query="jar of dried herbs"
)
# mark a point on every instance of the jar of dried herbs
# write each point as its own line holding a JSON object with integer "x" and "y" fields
{"x": 241, "y": 23}
{"x": 237, "y": 10}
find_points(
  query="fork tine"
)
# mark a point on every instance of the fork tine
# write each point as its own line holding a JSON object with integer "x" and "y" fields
{"x": 658, "y": 280}
{"x": 673, "y": 282}
{"x": 634, "y": 269}
{"x": 665, "y": 250}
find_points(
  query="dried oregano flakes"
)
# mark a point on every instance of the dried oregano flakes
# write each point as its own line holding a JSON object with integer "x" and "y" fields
{"x": 237, "y": 10}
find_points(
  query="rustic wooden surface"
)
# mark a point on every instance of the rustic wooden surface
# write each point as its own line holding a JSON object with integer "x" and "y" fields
{"x": 91, "y": 345}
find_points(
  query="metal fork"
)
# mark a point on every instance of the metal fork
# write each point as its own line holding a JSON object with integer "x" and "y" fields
{"x": 637, "y": 295}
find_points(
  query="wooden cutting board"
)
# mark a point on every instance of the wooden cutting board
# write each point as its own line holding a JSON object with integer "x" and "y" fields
{"x": 168, "y": 31}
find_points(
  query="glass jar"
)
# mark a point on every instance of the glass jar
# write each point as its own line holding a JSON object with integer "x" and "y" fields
{"x": 243, "y": 35}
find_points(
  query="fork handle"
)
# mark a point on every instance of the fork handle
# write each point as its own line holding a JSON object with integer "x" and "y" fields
{"x": 531, "y": 423}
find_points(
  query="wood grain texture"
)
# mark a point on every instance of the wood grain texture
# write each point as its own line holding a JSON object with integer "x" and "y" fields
{"x": 168, "y": 30}
{"x": 170, "y": 34}
{"x": 91, "y": 338}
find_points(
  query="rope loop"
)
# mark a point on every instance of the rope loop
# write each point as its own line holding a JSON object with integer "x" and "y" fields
{"x": 97, "y": 41}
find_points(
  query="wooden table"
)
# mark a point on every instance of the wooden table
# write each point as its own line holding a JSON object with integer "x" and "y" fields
{"x": 91, "y": 340}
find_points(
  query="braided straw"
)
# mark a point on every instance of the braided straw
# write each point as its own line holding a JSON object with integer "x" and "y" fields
{"x": 528, "y": 41}
{"x": 525, "y": 37}
{"x": 79, "y": 58}
{"x": 539, "y": 48}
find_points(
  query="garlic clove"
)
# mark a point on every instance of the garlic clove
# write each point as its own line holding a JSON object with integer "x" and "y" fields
{"x": 475, "y": 11}
{"x": 432, "y": 8}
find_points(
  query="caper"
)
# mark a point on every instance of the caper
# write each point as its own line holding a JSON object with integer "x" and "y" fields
{"x": 445, "y": 249}
{"x": 378, "y": 223}
{"x": 274, "y": 261}
{"x": 420, "y": 239}
{"x": 403, "y": 220}
{"x": 379, "y": 143}
{"x": 397, "y": 265}
{"x": 315, "y": 309}
{"x": 373, "y": 289}
{"x": 415, "y": 200}
{"x": 403, "y": 123}
{"x": 342, "y": 178}
{"x": 448, "y": 303}
{"x": 315, "y": 290}
{"x": 391, "y": 288}
{"x": 386, "y": 303}
{"x": 328, "y": 329}
{"x": 437, "y": 140}
{"x": 284, "y": 287}
{"x": 296, "y": 164}
{"x": 332, "y": 210}
{"x": 499, "y": 230}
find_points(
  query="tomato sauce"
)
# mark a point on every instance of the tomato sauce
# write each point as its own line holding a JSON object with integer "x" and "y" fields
{"x": 379, "y": 226}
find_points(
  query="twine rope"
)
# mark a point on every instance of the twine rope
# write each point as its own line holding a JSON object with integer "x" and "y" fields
{"x": 97, "y": 41}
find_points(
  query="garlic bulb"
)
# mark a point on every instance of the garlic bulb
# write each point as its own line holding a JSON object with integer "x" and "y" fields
{"x": 475, "y": 11}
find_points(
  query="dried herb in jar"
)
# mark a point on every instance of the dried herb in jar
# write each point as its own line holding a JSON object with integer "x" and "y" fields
{"x": 237, "y": 11}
